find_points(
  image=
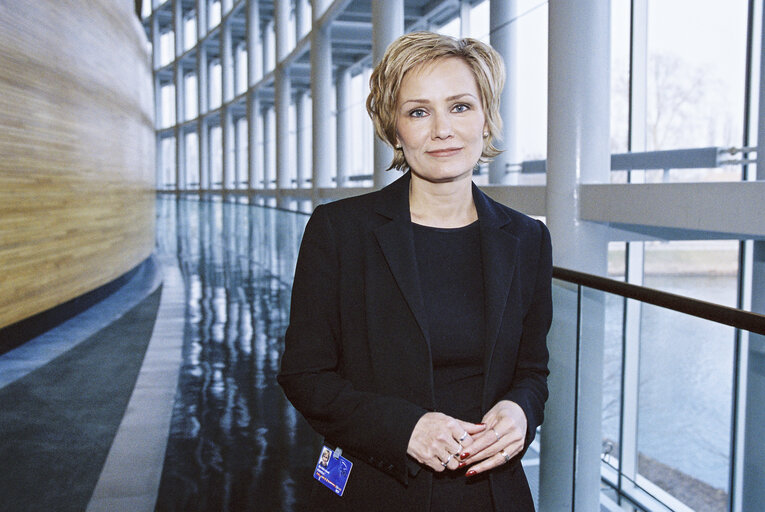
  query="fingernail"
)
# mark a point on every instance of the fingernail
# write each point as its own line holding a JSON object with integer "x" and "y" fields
{"x": 482, "y": 424}
{"x": 462, "y": 464}
{"x": 470, "y": 473}
{"x": 464, "y": 455}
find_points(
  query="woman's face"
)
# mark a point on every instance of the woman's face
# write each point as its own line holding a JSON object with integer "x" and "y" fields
{"x": 440, "y": 120}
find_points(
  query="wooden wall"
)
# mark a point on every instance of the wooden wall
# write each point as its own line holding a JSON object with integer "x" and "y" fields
{"x": 76, "y": 150}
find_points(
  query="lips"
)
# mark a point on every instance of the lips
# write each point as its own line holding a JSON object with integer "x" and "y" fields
{"x": 444, "y": 152}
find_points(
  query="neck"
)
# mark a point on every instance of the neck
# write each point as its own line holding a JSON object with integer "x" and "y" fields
{"x": 442, "y": 205}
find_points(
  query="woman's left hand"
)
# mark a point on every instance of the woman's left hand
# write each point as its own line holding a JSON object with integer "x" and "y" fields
{"x": 502, "y": 439}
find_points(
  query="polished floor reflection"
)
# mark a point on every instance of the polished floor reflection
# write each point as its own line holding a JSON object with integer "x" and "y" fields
{"x": 235, "y": 442}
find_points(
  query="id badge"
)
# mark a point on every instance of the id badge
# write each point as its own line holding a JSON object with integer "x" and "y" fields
{"x": 332, "y": 470}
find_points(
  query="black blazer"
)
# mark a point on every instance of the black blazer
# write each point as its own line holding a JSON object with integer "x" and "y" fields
{"x": 357, "y": 361}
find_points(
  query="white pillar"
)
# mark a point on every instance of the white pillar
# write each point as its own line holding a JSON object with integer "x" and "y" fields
{"x": 156, "y": 53}
{"x": 254, "y": 50}
{"x": 303, "y": 123}
{"x": 202, "y": 105}
{"x": 237, "y": 153}
{"x": 321, "y": 94}
{"x": 180, "y": 146}
{"x": 343, "y": 126}
{"x": 269, "y": 160}
{"x": 465, "y": 7}
{"x": 201, "y": 19}
{"x": 282, "y": 94}
{"x": 302, "y": 19}
{"x": 269, "y": 53}
{"x": 227, "y": 148}
{"x": 203, "y": 136}
{"x": 180, "y": 102}
{"x": 254, "y": 149}
{"x": 504, "y": 39}
{"x": 387, "y": 25}
{"x": 578, "y": 152}
{"x": 282, "y": 108}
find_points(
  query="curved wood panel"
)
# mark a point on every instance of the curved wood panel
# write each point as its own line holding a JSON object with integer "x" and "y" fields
{"x": 76, "y": 150}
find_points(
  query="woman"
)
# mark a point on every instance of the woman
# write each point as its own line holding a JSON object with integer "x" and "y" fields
{"x": 416, "y": 341}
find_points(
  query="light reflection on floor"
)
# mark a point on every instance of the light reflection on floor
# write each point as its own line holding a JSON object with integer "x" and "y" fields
{"x": 235, "y": 441}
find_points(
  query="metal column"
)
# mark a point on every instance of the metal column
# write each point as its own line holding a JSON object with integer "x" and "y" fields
{"x": 254, "y": 72}
{"x": 387, "y": 25}
{"x": 282, "y": 96}
{"x": 303, "y": 114}
{"x": 578, "y": 152}
{"x": 255, "y": 157}
{"x": 343, "y": 126}
{"x": 227, "y": 93}
{"x": 321, "y": 94}
{"x": 302, "y": 19}
{"x": 203, "y": 135}
{"x": 269, "y": 158}
{"x": 504, "y": 39}
{"x": 180, "y": 98}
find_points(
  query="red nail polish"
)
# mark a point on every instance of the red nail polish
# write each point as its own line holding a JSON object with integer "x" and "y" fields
{"x": 464, "y": 455}
{"x": 470, "y": 473}
{"x": 462, "y": 464}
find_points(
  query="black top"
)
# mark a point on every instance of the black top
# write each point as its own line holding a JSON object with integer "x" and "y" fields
{"x": 449, "y": 265}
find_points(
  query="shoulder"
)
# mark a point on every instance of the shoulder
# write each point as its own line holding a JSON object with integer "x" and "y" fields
{"x": 346, "y": 213}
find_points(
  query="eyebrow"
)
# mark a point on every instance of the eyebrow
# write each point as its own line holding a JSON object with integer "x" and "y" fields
{"x": 450, "y": 98}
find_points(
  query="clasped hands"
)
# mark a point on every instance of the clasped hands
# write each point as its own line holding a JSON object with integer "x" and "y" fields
{"x": 442, "y": 442}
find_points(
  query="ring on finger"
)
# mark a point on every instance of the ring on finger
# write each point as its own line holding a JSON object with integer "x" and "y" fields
{"x": 462, "y": 437}
{"x": 505, "y": 455}
{"x": 495, "y": 433}
{"x": 448, "y": 459}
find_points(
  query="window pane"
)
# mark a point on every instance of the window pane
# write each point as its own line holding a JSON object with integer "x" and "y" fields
{"x": 685, "y": 407}
{"x": 696, "y": 70}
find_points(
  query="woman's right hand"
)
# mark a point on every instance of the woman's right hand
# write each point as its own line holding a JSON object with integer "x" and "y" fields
{"x": 438, "y": 438}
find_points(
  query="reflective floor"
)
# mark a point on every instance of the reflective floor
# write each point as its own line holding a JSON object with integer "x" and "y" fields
{"x": 235, "y": 442}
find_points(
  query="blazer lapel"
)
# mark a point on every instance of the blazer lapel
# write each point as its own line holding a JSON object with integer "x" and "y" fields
{"x": 397, "y": 243}
{"x": 499, "y": 251}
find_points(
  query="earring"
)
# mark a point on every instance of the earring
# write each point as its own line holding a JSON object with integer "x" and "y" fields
{"x": 398, "y": 146}
{"x": 485, "y": 134}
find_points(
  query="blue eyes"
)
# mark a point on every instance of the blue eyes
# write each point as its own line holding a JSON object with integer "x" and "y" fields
{"x": 457, "y": 109}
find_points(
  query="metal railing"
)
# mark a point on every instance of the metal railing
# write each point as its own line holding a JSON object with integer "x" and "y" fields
{"x": 658, "y": 346}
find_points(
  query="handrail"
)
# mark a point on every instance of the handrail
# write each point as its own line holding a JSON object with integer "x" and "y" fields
{"x": 737, "y": 318}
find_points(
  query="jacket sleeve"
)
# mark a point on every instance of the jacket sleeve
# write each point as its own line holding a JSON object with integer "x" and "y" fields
{"x": 529, "y": 386}
{"x": 371, "y": 426}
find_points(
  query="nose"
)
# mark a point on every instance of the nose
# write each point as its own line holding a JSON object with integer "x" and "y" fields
{"x": 442, "y": 126}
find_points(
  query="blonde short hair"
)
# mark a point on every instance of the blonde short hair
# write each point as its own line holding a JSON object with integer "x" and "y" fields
{"x": 416, "y": 48}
